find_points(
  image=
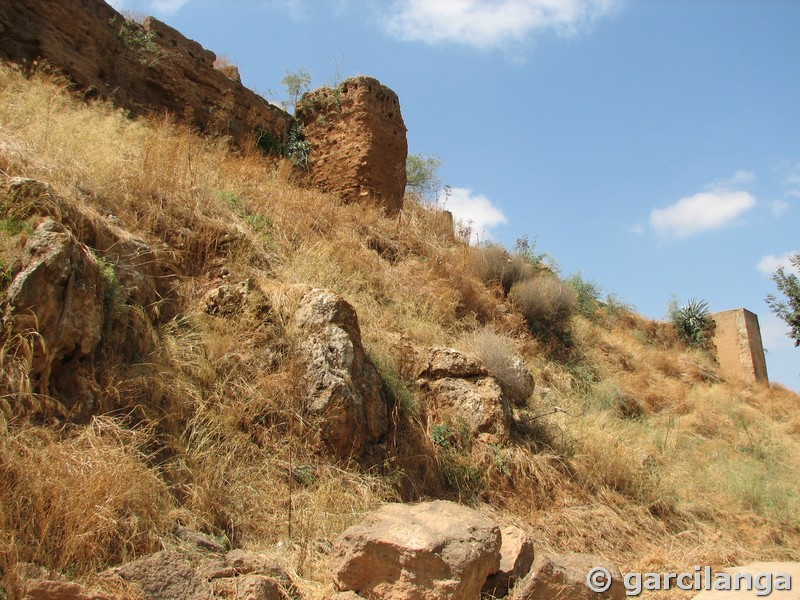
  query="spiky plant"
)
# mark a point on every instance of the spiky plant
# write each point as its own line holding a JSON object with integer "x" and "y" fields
{"x": 693, "y": 321}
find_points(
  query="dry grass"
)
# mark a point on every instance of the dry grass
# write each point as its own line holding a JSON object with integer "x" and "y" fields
{"x": 653, "y": 461}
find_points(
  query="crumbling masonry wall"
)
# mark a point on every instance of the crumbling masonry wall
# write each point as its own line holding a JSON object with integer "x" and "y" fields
{"x": 739, "y": 349}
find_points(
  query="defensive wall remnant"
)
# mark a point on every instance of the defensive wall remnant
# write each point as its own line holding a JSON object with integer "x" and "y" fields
{"x": 739, "y": 349}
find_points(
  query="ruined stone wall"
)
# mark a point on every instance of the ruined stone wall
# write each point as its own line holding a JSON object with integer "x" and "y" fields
{"x": 142, "y": 68}
{"x": 738, "y": 342}
{"x": 358, "y": 141}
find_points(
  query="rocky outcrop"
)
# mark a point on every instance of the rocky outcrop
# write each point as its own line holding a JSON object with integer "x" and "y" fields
{"x": 59, "y": 295}
{"x": 165, "y": 575}
{"x": 244, "y": 575}
{"x": 564, "y": 576}
{"x": 345, "y": 389}
{"x": 461, "y": 391}
{"x": 430, "y": 551}
{"x": 358, "y": 141}
{"x": 516, "y": 558}
{"x": 142, "y": 68}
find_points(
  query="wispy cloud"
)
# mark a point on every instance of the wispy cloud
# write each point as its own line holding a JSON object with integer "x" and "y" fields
{"x": 475, "y": 211}
{"x": 486, "y": 24}
{"x": 778, "y": 208}
{"x": 701, "y": 212}
{"x": 738, "y": 179}
{"x": 769, "y": 263}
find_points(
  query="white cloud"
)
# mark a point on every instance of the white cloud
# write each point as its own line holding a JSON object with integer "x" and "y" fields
{"x": 490, "y": 23}
{"x": 778, "y": 208}
{"x": 769, "y": 263}
{"x": 475, "y": 211}
{"x": 701, "y": 212}
{"x": 117, "y": 4}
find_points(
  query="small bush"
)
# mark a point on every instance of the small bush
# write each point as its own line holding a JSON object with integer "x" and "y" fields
{"x": 503, "y": 363}
{"x": 493, "y": 265}
{"x": 546, "y": 303}
{"x": 587, "y": 295}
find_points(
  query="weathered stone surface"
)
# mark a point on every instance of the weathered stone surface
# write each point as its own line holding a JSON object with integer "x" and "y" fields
{"x": 59, "y": 294}
{"x": 358, "y": 141}
{"x": 142, "y": 68}
{"x": 461, "y": 391}
{"x": 737, "y": 339}
{"x": 242, "y": 574}
{"x": 449, "y": 362}
{"x": 345, "y": 388}
{"x": 480, "y": 404}
{"x": 259, "y": 587}
{"x": 165, "y": 576}
{"x": 45, "y": 589}
{"x": 554, "y": 577}
{"x": 516, "y": 558}
{"x": 430, "y": 551}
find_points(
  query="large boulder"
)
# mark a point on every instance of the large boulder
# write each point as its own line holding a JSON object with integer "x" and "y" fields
{"x": 430, "y": 551}
{"x": 58, "y": 294}
{"x": 564, "y": 576}
{"x": 461, "y": 391}
{"x": 358, "y": 141}
{"x": 345, "y": 388}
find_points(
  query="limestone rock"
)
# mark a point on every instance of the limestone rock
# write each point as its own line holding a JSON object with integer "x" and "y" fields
{"x": 59, "y": 294}
{"x": 242, "y": 574}
{"x": 358, "y": 141}
{"x": 516, "y": 558}
{"x": 142, "y": 68}
{"x": 460, "y": 390}
{"x": 480, "y": 404}
{"x": 449, "y": 362}
{"x": 165, "y": 576}
{"x": 344, "y": 386}
{"x": 430, "y": 551}
{"x": 554, "y": 577}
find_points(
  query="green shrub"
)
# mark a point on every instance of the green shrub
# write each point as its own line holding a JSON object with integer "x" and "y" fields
{"x": 587, "y": 295}
{"x": 546, "y": 303}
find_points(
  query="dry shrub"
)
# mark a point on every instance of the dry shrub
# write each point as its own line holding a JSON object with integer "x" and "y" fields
{"x": 546, "y": 303}
{"x": 493, "y": 265}
{"x": 499, "y": 356}
{"x": 82, "y": 499}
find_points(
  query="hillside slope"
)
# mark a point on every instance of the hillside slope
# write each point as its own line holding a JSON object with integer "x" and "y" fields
{"x": 190, "y": 409}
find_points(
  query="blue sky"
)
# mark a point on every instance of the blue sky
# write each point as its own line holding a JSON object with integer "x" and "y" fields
{"x": 651, "y": 145}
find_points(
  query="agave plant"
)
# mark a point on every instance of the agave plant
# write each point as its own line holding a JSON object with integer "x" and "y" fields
{"x": 693, "y": 321}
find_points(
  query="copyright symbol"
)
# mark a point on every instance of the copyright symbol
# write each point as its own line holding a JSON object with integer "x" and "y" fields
{"x": 598, "y": 579}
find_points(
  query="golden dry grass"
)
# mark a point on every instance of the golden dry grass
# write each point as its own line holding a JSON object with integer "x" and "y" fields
{"x": 651, "y": 461}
